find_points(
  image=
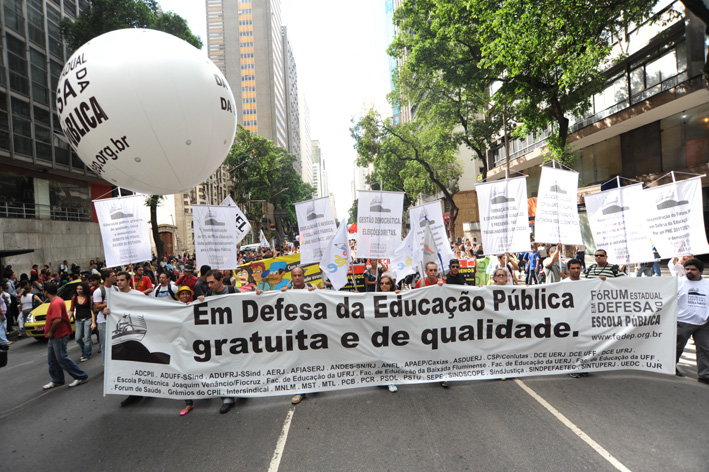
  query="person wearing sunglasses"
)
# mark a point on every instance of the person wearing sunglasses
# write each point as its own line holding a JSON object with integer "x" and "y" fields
{"x": 602, "y": 269}
{"x": 454, "y": 277}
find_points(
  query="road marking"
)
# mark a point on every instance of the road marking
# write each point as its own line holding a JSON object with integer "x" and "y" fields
{"x": 281, "y": 444}
{"x": 585, "y": 437}
{"x": 7, "y": 413}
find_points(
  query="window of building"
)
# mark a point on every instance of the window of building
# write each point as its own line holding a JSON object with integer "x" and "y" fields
{"x": 660, "y": 70}
{"x": 54, "y": 37}
{"x": 599, "y": 162}
{"x": 16, "y": 196}
{"x": 70, "y": 202}
{"x": 35, "y": 22}
{"x": 14, "y": 18}
{"x": 38, "y": 68}
{"x": 685, "y": 139}
{"x": 70, "y": 8}
{"x": 17, "y": 64}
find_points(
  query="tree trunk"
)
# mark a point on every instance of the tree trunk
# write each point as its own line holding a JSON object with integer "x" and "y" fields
{"x": 159, "y": 246}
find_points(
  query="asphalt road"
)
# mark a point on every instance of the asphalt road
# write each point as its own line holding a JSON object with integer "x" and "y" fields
{"x": 605, "y": 422}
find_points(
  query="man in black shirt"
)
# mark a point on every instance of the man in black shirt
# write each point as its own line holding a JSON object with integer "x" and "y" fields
{"x": 454, "y": 276}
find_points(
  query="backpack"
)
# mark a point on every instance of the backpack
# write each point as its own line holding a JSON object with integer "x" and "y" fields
{"x": 169, "y": 290}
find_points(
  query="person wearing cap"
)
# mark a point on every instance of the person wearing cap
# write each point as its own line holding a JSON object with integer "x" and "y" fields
{"x": 188, "y": 278}
{"x": 454, "y": 276}
{"x": 272, "y": 279}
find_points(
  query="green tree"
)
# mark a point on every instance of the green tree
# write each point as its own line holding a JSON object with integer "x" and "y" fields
{"x": 352, "y": 213}
{"x": 419, "y": 156}
{"x": 441, "y": 74}
{"x": 547, "y": 58}
{"x": 103, "y": 16}
{"x": 263, "y": 171}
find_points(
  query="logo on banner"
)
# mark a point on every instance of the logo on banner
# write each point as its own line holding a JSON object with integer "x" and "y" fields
{"x": 311, "y": 214}
{"x": 556, "y": 189}
{"x": 126, "y": 342}
{"x": 376, "y": 205}
{"x": 211, "y": 220}
{"x": 498, "y": 196}
{"x": 665, "y": 200}
{"x": 117, "y": 213}
{"x": 612, "y": 205}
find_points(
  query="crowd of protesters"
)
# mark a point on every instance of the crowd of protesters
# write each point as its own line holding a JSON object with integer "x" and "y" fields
{"x": 177, "y": 277}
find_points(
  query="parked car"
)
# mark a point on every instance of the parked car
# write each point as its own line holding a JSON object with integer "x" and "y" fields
{"x": 34, "y": 324}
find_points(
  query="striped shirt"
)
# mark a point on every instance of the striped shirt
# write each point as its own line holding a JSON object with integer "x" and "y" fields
{"x": 594, "y": 271}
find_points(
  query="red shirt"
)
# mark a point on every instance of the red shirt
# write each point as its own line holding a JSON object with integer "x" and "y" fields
{"x": 188, "y": 280}
{"x": 425, "y": 280}
{"x": 143, "y": 285}
{"x": 57, "y": 310}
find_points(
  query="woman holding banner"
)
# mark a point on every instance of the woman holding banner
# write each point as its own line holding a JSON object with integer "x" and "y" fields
{"x": 184, "y": 295}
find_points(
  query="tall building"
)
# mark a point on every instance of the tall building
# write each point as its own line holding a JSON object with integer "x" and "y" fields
{"x": 317, "y": 170}
{"x": 306, "y": 145}
{"x": 246, "y": 42}
{"x": 292, "y": 108}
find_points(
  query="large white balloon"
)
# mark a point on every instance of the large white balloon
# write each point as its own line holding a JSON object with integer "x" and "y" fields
{"x": 146, "y": 111}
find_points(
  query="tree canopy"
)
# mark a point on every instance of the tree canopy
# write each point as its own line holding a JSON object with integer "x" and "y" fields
{"x": 103, "y": 16}
{"x": 544, "y": 60}
{"x": 264, "y": 171}
{"x": 416, "y": 157}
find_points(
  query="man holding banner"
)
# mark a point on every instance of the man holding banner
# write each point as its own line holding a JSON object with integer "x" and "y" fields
{"x": 693, "y": 316}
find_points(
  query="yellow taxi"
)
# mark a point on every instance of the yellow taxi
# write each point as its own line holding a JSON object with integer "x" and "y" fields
{"x": 34, "y": 324}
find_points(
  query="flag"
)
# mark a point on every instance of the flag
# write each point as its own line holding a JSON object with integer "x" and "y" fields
{"x": 405, "y": 258}
{"x": 243, "y": 227}
{"x": 263, "y": 240}
{"x": 336, "y": 258}
{"x": 430, "y": 250}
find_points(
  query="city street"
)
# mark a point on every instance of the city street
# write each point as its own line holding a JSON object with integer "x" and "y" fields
{"x": 611, "y": 421}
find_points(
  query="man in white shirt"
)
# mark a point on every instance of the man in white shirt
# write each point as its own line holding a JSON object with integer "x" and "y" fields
{"x": 693, "y": 315}
{"x": 573, "y": 268}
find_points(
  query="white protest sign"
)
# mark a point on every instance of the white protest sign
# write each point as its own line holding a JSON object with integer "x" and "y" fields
{"x": 125, "y": 229}
{"x": 378, "y": 223}
{"x": 618, "y": 224}
{"x": 316, "y": 226}
{"x": 431, "y": 214}
{"x": 243, "y": 227}
{"x": 281, "y": 343}
{"x": 677, "y": 218}
{"x": 215, "y": 236}
{"x": 504, "y": 219}
{"x": 557, "y": 216}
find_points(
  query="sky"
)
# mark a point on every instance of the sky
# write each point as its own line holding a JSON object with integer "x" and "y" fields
{"x": 340, "y": 52}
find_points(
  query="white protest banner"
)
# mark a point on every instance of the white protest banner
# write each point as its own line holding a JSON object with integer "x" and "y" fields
{"x": 504, "y": 219}
{"x": 336, "y": 258}
{"x": 676, "y": 218}
{"x": 297, "y": 341}
{"x": 378, "y": 223}
{"x": 618, "y": 224}
{"x": 431, "y": 214}
{"x": 215, "y": 236}
{"x": 125, "y": 229}
{"x": 316, "y": 226}
{"x": 243, "y": 227}
{"x": 557, "y": 216}
{"x": 407, "y": 257}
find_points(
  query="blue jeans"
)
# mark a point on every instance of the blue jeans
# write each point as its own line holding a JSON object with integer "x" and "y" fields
{"x": 59, "y": 361}
{"x": 83, "y": 336}
{"x": 102, "y": 339}
{"x": 3, "y": 332}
